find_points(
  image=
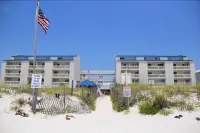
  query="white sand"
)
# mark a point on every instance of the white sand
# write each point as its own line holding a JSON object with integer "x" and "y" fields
{"x": 103, "y": 120}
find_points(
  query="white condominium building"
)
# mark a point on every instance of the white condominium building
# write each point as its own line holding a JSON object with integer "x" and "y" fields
{"x": 55, "y": 70}
{"x": 163, "y": 70}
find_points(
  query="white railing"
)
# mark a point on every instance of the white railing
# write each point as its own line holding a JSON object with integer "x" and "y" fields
{"x": 156, "y": 75}
{"x": 13, "y": 74}
{"x": 156, "y": 67}
{"x": 58, "y": 83}
{"x": 13, "y": 66}
{"x": 30, "y": 74}
{"x": 60, "y": 75}
{"x": 130, "y": 67}
{"x": 181, "y": 67}
{"x": 182, "y": 75}
{"x": 12, "y": 82}
{"x": 159, "y": 83}
{"x": 134, "y": 75}
{"x": 182, "y": 83}
{"x": 37, "y": 66}
{"x": 61, "y": 66}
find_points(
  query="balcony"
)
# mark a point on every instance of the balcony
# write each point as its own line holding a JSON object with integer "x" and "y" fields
{"x": 156, "y": 75}
{"x": 37, "y": 66}
{"x": 181, "y": 67}
{"x": 30, "y": 74}
{"x": 135, "y": 75}
{"x": 59, "y": 83}
{"x": 160, "y": 83}
{"x": 129, "y": 67}
{"x": 13, "y": 66}
{"x": 12, "y": 74}
{"x": 61, "y": 66}
{"x": 156, "y": 67}
{"x": 60, "y": 75}
{"x": 182, "y": 83}
{"x": 12, "y": 82}
{"x": 182, "y": 75}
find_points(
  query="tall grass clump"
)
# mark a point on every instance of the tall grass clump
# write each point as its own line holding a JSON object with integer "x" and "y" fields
{"x": 90, "y": 100}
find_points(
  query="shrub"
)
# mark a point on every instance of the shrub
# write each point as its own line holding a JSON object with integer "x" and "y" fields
{"x": 148, "y": 108}
{"x": 1, "y": 96}
{"x": 21, "y": 102}
{"x": 165, "y": 112}
{"x": 161, "y": 101}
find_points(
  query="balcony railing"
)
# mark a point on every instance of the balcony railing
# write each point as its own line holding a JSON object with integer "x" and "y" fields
{"x": 30, "y": 74}
{"x": 60, "y": 75}
{"x": 181, "y": 67}
{"x": 182, "y": 75}
{"x": 156, "y": 67}
{"x": 13, "y": 74}
{"x": 61, "y": 66}
{"x": 182, "y": 83}
{"x": 13, "y": 66}
{"x": 99, "y": 79}
{"x": 130, "y": 67}
{"x": 156, "y": 75}
{"x": 159, "y": 83}
{"x": 37, "y": 66}
{"x": 12, "y": 82}
{"x": 59, "y": 83}
{"x": 134, "y": 75}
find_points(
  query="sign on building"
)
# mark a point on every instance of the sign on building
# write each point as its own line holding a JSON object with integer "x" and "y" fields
{"x": 126, "y": 79}
{"x": 36, "y": 81}
{"x": 127, "y": 91}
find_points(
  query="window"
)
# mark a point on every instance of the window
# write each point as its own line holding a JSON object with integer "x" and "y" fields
{"x": 139, "y": 58}
{"x": 176, "y": 58}
{"x": 121, "y": 58}
{"x": 175, "y": 81}
{"x": 163, "y": 58}
{"x": 31, "y": 58}
{"x": 149, "y": 58}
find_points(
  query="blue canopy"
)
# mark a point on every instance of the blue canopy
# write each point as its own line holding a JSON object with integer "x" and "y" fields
{"x": 87, "y": 83}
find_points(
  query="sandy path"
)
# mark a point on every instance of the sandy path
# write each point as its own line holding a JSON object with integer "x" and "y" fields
{"x": 103, "y": 120}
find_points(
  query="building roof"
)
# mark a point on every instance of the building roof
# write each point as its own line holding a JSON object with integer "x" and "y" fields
{"x": 150, "y": 56}
{"x": 154, "y": 58}
{"x": 42, "y": 58}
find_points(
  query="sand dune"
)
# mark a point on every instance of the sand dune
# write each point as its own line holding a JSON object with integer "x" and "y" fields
{"x": 103, "y": 120}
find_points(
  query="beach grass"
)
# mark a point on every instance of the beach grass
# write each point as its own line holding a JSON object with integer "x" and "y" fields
{"x": 155, "y": 98}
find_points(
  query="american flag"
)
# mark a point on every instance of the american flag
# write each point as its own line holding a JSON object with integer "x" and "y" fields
{"x": 43, "y": 21}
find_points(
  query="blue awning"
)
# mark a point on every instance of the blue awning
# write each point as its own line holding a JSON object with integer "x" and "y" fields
{"x": 87, "y": 83}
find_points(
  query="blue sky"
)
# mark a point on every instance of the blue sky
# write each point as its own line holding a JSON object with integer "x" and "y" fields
{"x": 99, "y": 30}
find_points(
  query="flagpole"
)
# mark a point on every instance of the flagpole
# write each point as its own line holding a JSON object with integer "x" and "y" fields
{"x": 34, "y": 62}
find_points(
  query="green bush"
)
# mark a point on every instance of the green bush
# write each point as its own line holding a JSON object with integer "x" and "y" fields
{"x": 148, "y": 108}
{"x": 20, "y": 102}
{"x": 161, "y": 101}
{"x": 1, "y": 96}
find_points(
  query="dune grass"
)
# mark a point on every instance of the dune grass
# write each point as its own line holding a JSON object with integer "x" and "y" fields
{"x": 153, "y": 97}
